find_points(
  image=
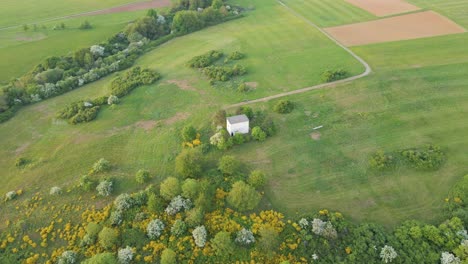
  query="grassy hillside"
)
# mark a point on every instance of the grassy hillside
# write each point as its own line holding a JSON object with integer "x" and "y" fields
{"x": 27, "y": 49}
{"x": 31, "y": 11}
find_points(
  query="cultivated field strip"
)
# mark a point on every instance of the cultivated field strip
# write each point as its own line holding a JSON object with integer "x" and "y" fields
{"x": 454, "y": 9}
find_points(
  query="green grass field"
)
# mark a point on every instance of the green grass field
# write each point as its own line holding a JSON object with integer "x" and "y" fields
{"x": 32, "y": 11}
{"x": 416, "y": 96}
{"x": 454, "y": 9}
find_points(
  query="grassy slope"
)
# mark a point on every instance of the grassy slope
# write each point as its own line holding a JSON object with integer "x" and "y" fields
{"x": 327, "y": 13}
{"x": 61, "y": 152}
{"x": 27, "y": 49}
{"x": 31, "y": 11}
{"x": 454, "y": 9}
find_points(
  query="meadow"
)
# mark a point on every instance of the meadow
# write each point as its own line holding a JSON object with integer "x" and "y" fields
{"x": 414, "y": 97}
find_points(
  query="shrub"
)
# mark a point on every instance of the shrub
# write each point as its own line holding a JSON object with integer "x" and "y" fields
{"x": 102, "y": 258}
{"x": 168, "y": 256}
{"x": 55, "y": 190}
{"x": 155, "y": 228}
{"x": 243, "y": 196}
{"x": 21, "y": 162}
{"x": 188, "y": 163}
{"x": 67, "y": 257}
{"x": 388, "y": 254}
{"x": 236, "y": 55}
{"x": 49, "y": 76}
{"x": 190, "y": 188}
{"x": 142, "y": 176}
{"x": 199, "y": 235}
{"x": 194, "y": 216}
{"x": 222, "y": 244}
{"x": 380, "y": 161}
{"x": 177, "y": 204}
{"x": 257, "y": 179}
{"x": 334, "y": 75}
{"x": 283, "y": 107}
{"x": 258, "y": 134}
{"x": 102, "y": 165}
{"x": 245, "y": 237}
{"x": 10, "y": 195}
{"x": 135, "y": 77}
{"x": 112, "y": 100}
{"x": 188, "y": 133}
{"x": 123, "y": 202}
{"x": 185, "y": 22}
{"x": 170, "y": 188}
{"x": 108, "y": 237}
{"x": 205, "y": 60}
{"x": 93, "y": 229}
{"x": 97, "y": 50}
{"x": 269, "y": 240}
{"x": 228, "y": 165}
{"x": 105, "y": 188}
{"x": 178, "y": 228}
{"x": 116, "y": 218}
{"x": 85, "y": 25}
{"x": 125, "y": 255}
{"x": 155, "y": 203}
{"x": 242, "y": 88}
{"x": 86, "y": 183}
{"x": 430, "y": 157}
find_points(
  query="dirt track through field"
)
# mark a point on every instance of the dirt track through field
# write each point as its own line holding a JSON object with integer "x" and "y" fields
{"x": 135, "y": 6}
{"x": 384, "y": 7}
{"x": 368, "y": 69}
{"x": 411, "y": 26}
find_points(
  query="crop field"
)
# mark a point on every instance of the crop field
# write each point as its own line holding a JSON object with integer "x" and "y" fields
{"x": 454, "y": 9}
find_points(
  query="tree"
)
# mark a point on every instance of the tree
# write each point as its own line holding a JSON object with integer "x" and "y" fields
{"x": 243, "y": 196}
{"x": 85, "y": 25}
{"x": 105, "y": 188}
{"x": 258, "y": 134}
{"x": 217, "y": 4}
{"x": 185, "y": 22}
{"x": 155, "y": 203}
{"x": 108, "y": 237}
{"x": 268, "y": 241}
{"x": 222, "y": 245}
{"x": 188, "y": 133}
{"x": 170, "y": 188}
{"x": 168, "y": 256}
{"x": 257, "y": 179}
{"x": 283, "y": 107}
{"x": 388, "y": 254}
{"x": 228, "y": 165}
{"x": 190, "y": 188}
{"x": 125, "y": 255}
{"x": 155, "y": 228}
{"x": 142, "y": 176}
{"x": 102, "y": 258}
{"x": 199, "y": 235}
{"x": 188, "y": 163}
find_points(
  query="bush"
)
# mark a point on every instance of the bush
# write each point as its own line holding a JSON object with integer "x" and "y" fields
{"x": 257, "y": 179}
{"x": 245, "y": 237}
{"x": 86, "y": 183}
{"x": 108, "y": 237}
{"x": 431, "y": 157}
{"x": 123, "y": 202}
{"x": 155, "y": 229}
{"x": 102, "y": 165}
{"x": 67, "y": 257}
{"x": 102, "y": 258}
{"x": 243, "y": 196}
{"x": 85, "y": 25}
{"x": 188, "y": 133}
{"x": 188, "y": 163}
{"x": 185, "y": 22}
{"x": 125, "y": 255}
{"x": 334, "y": 75}
{"x": 222, "y": 245}
{"x": 258, "y": 134}
{"x": 381, "y": 161}
{"x": 105, "y": 188}
{"x": 112, "y": 100}
{"x": 242, "y": 88}
{"x": 168, "y": 256}
{"x": 190, "y": 188}
{"x": 236, "y": 55}
{"x": 177, "y": 204}
{"x": 178, "y": 228}
{"x": 283, "y": 107}
{"x": 93, "y": 229}
{"x": 116, "y": 218}
{"x": 170, "y": 188}
{"x": 142, "y": 176}
{"x": 135, "y": 77}
{"x": 21, "y": 162}
{"x": 55, "y": 190}
{"x": 10, "y": 195}
{"x": 49, "y": 76}
{"x": 229, "y": 165}
{"x": 155, "y": 203}
{"x": 194, "y": 217}
{"x": 205, "y": 60}
{"x": 79, "y": 112}
{"x": 199, "y": 235}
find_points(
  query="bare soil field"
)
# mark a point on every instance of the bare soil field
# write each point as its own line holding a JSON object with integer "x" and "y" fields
{"x": 384, "y": 7}
{"x": 127, "y": 8}
{"x": 411, "y": 26}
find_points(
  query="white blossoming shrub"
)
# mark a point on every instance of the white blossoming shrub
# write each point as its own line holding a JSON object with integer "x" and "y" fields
{"x": 55, "y": 190}
{"x": 112, "y": 100}
{"x": 329, "y": 231}
{"x": 155, "y": 228}
{"x": 101, "y": 165}
{"x": 116, "y": 218}
{"x": 199, "y": 235}
{"x": 315, "y": 256}
{"x": 161, "y": 20}
{"x": 217, "y": 138}
{"x": 177, "y": 204}
{"x": 324, "y": 229}
{"x": 67, "y": 257}
{"x": 449, "y": 258}
{"x": 388, "y": 254}
{"x": 87, "y": 104}
{"x": 245, "y": 237}
{"x": 318, "y": 226}
{"x": 105, "y": 188}
{"x": 10, "y": 195}
{"x": 97, "y": 50}
{"x": 303, "y": 223}
{"x": 123, "y": 202}
{"x": 125, "y": 255}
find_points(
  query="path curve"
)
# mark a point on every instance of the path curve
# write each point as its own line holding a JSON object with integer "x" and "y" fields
{"x": 132, "y": 6}
{"x": 368, "y": 69}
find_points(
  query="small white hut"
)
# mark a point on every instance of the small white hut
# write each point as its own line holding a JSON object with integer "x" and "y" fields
{"x": 237, "y": 124}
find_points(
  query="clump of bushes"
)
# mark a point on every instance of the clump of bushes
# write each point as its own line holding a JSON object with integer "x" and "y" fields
{"x": 236, "y": 55}
{"x": 142, "y": 176}
{"x": 79, "y": 112}
{"x": 334, "y": 75}
{"x": 86, "y": 25}
{"x": 135, "y": 77}
{"x": 102, "y": 165}
{"x": 205, "y": 60}
{"x": 283, "y": 107}
{"x": 21, "y": 162}
{"x": 431, "y": 157}
{"x": 380, "y": 161}
{"x": 224, "y": 73}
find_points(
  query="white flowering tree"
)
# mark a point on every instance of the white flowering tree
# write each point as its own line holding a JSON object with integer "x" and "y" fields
{"x": 449, "y": 258}
{"x": 123, "y": 202}
{"x": 112, "y": 99}
{"x": 303, "y": 223}
{"x": 125, "y": 255}
{"x": 199, "y": 235}
{"x": 10, "y": 195}
{"x": 97, "y": 50}
{"x": 55, "y": 190}
{"x": 245, "y": 237}
{"x": 177, "y": 204}
{"x": 155, "y": 228}
{"x": 105, "y": 188}
{"x": 388, "y": 254}
{"x": 67, "y": 257}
